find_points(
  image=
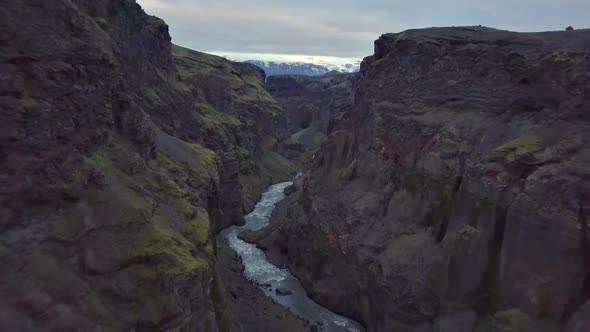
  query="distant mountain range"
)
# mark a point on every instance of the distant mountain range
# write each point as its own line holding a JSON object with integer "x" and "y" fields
{"x": 272, "y": 68}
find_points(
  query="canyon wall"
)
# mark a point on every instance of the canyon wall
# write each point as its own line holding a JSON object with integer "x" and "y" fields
{"x": 122, "y": 154}
{"x": 454, "y": 195}
{"x": 311, "y": 105}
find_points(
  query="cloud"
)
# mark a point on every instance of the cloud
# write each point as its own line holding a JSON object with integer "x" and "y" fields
{"x": 345, "y": 28}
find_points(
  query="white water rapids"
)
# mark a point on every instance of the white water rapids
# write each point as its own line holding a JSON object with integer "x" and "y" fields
{"x": 269, "y": 277}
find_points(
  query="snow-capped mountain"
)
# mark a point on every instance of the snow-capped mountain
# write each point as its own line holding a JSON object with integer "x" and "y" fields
{"x": 301, "y": 68}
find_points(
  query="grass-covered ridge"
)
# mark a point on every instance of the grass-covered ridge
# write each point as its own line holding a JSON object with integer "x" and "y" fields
{"x": 233, "y": 112}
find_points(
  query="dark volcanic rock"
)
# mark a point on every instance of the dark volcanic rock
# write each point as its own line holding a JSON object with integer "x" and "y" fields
{"x": 463, "y": 321}
{"x": 120, "y": 155}
{"x": 459, "y": 179}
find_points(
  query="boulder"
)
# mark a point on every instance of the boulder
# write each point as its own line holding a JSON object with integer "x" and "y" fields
{"x": 283, "y": 291}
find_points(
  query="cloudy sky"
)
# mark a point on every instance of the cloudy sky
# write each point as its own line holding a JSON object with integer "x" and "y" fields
{"x": 343, "y": 28}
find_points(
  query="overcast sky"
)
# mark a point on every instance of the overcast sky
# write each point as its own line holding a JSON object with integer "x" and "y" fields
{"x": 344, "y": 28}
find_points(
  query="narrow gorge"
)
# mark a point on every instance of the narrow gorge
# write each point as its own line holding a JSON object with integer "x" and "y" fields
{"x": 145, "y": 186}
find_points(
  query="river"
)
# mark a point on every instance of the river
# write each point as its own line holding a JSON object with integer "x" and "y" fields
{"x": 268, "y": 277}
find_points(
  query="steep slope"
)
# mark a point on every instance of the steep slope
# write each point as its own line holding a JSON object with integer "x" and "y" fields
{"x": 455, "y": 195}
{"x": 234, "y": 113}
{"x": 118, "y": 162}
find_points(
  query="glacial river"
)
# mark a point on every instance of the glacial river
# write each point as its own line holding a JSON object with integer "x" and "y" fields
{"x": 269, "y": 277}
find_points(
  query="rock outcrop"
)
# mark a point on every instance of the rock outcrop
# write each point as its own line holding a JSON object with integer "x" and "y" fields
{"x": 120, "y": 156}
{"x": 456, "y": 191}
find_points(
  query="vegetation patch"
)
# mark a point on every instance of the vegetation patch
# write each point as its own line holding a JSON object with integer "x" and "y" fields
{"x": 198, "y": 229}
{"x": 159, "y": 239}
{"x": 174, "y": 189}
{"x": 212, "y": 119}
{"x": 468, "y": 232}
{"x": 207, "y": 161}
{"x": 168, "y": 164}
{"x": 310, "y": 137}
{"x": 184, "y": 207}
{"x": 30, "y": 104}
{"x": 101, "y": 159}
{"x": 518, "y": 147}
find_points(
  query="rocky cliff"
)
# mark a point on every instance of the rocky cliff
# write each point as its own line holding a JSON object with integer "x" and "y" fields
{"x": 455, "y": 195}
{"x": 121, "y": 154}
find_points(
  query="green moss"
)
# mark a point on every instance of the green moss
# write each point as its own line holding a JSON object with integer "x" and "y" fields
{"x": 197, "y": 229}
{"x": 310, "y": 137}
{"x": 565, "y": 57}
{"x": 468, "y": 232}
{"x": 190, "y": 63}
{"x": 30, "y": 104}
{"x": 207, "y": 162}
{"x": 209, "y": 249}
{"x": 518, "y": 147}
{"x": 183, "y": 207}
{"x": 173, "y": 189}
{"x": 159, "y": 239}
{"x": 168, "y": 164}
{"x": 101, "y": 159}
{"x": 212, "y": 119}
{"x": 503, "y": 178}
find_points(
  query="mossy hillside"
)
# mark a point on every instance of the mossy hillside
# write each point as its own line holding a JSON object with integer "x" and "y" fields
{"x": 210, "y": 118}
{"x": 198, "y": 228}
{"x": 159, "y": 239}
{"x": 235, "y": 115}
{"x": 141, "y": 204}
{"x": 204, "y": 165}
{"x": 310, "y": 137}
{"x": 226, "y": 93}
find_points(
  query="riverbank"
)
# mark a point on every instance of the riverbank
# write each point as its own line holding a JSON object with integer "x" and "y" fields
{"x": 254, "y": 310}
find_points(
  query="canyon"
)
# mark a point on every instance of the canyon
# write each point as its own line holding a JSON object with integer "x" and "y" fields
{"x": 452, "y": 194}
{"x": 444, "y": 187}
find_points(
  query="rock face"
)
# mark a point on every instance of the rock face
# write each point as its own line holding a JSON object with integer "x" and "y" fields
{"x": 458, "y": 182}
{"x": 109, "y": 185}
